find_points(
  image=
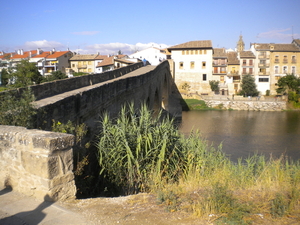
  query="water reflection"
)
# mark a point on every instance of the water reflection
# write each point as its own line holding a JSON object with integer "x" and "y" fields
{"x": 243, "y": 133}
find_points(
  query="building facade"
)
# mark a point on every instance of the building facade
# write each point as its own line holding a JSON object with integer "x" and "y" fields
{"x": 192, "y": 66}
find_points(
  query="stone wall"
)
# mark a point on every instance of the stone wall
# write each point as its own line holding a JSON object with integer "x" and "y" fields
{"x": 37, "y": 163}
{"x": 247, "y": 105}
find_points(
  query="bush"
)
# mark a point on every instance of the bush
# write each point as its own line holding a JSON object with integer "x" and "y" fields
{"x": 17, "y": 111}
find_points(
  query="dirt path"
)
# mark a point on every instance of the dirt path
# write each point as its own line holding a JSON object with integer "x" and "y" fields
{"x": 134, "y": 210}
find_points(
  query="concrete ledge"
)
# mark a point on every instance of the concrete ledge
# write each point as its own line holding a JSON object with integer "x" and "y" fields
{"x": 37, "y": 163}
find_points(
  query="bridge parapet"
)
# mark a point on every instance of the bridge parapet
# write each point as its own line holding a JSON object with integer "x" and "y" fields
{"x": 37, "y": 163}
{"x": 46, "y": 90}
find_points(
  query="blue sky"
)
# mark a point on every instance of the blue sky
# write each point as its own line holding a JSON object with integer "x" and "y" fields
{"x": 107, "y": 26}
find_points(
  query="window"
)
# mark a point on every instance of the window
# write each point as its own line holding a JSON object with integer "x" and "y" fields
{"x": 251, "y": 62}
{"x": 222, "y": 79}
{"x": 276, "y": 69}
{"x": 244, "y": 71}
{"x": 181, "y": 65}
{"x": 216, "y": 70}
{"x": 90, "y": 70}
{"x": 200, "y": 52}
{"x": 223, "y": 69}
{"x": 204, "y": 77}
{"x": 90, "y": 62}
{"x": 187, "y": 52}
{"x": 244, "y": 62}
{"x": 294, "y": 59}
{"x": 285, "y": 60}
{"x": 192, "y": 52}
{"x": 73, "y": 65}
{"x": 263, "y": 79}
{"x": 276, "y": 59}
{"x": 251, "y": 71}
{"x": 183, "y": 52}
{"x": 285, "y": 69}
{"x": 203, "y": 64}
{"x": 293, "y": 69}
{"x": 192, "y": 65}
{"x": 204, "y": 52}
{"x": 196, "y": 52}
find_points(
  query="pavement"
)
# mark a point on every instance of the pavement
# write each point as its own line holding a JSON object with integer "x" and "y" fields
{"x": 16, "y": 209}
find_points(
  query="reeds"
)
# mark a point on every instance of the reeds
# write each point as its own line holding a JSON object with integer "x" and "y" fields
{"x": 140, "y": 152}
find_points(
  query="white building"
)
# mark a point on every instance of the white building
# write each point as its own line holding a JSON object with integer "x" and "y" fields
{"x": 153, "y": 55}
{"x": 192, "y": 66}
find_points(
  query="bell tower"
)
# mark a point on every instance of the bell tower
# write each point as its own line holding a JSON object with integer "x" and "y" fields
{"x": 240, "y": 44}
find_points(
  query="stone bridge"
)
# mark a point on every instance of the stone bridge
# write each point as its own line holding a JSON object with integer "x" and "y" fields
{"x": 40, "y": 163}
{"x": 83, "y": 99}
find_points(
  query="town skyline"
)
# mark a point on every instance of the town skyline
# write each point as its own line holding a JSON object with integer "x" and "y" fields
{"x": 107, "y": 27}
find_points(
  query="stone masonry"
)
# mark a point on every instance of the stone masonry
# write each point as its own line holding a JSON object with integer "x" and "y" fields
{"x": 37, "y": 163}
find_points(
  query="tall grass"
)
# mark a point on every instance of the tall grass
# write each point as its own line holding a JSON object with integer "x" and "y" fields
{"x": 139, "y": 152}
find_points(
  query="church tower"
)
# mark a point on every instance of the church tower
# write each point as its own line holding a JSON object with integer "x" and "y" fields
{"x": 240, "y": 44}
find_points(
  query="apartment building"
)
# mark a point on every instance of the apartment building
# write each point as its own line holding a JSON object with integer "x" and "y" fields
{"x": 274, "y": 62}
{"x": 233, "y": 73}
{"x": 220, "y": 68}
{"x": 192, "y": 66}
{"x": 84, "y": 63}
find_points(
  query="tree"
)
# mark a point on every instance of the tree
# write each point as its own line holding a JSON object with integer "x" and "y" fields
{"x": 26, "y": 74}
{"x": 55, "y": 75}
{"x": 289, "y": 84}
{"x": 248, "y": 86}
{"x": 17, "y": 111}
{"x": 214, "y": 85}
{"x": 4, "y": 77}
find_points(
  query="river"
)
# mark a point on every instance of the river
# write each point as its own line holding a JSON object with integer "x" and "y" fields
{"x": 243, "y": 133}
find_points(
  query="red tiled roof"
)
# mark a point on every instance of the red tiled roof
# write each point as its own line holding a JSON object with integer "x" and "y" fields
{"x": 6, "y": 55}
{"x": 57, "y": 54}
{"x": 43, "y": 55}
{"x": 106, "y": 62}
{"x": 192, "y": 45}
{"x": 25, "y": 55}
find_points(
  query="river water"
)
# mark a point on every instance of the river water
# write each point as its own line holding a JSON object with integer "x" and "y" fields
{"x": 243, "y": 133}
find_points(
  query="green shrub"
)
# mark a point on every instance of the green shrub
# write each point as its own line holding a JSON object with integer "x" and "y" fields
{"x": 17, "y": 111}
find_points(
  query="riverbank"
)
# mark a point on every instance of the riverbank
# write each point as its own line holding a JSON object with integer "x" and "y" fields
{"x": 249, "y": 104}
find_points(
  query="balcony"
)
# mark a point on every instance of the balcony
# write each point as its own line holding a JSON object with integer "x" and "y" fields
{"x": 50, "y": 64}
{"x": 223, "y": 72}
{"x": 219, "y": 64}
{"x": 264, "y": 73}
{"x": 263, "y": 65}
{"x": 263, "y": 56}
{"x": 82, "y": 66}
{"x": 40, "y": 64}
{"x": 233, "y": 73}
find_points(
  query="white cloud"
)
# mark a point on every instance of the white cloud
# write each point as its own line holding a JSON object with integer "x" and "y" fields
{"x": 43, "y": 44}
{"x": 113, "y": 48}
{"x": 86, "y": 33}
{"x": 279, "y": 35}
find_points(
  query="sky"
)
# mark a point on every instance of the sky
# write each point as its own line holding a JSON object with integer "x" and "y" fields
{"x": 105, "y": 26}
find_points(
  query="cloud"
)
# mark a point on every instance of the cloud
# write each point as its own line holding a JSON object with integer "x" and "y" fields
{"x": 279, "y": 35}
{"x": 86, "y": 33}
{"x": 113, "y": 48}
{"x": 43, "y": 44}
